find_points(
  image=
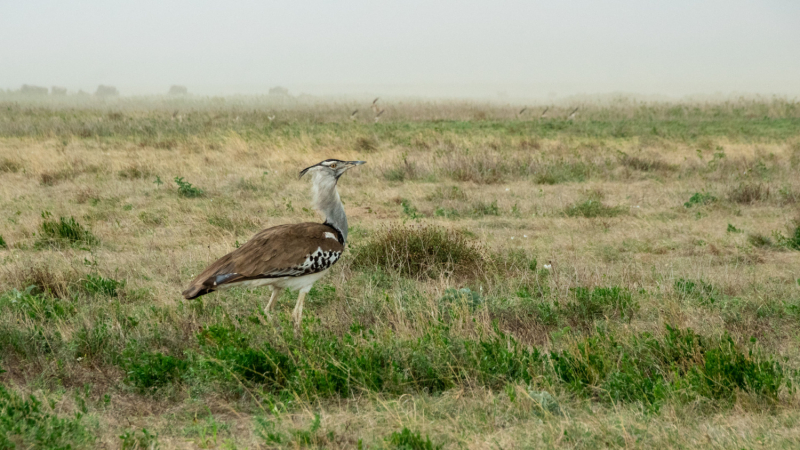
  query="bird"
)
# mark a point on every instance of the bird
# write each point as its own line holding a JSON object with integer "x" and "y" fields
{"x": 291, "y": 256}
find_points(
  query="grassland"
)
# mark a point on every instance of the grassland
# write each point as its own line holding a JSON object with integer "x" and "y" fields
{"x": 628, "y": 278}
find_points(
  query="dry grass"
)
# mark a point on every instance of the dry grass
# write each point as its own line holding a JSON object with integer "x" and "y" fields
{"x": 513, "y": 192}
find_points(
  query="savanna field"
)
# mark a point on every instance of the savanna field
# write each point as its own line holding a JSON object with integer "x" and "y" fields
{"x": 626, "y": 278}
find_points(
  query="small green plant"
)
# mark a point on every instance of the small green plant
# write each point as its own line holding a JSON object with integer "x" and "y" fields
{"x": 453, "y": 297}
{"x": 37, "y": 306}
{"x": 3, "y": 242}
{"x": 698, "y": 198}
{"x": 64, "y": 231}
{"x": 484, "y": 209}
{"x": 98, "y": 285}
{"x": 24, "y": 423}
{"x": 158, "y": 181}
{"x": 593, "y": 208}
{"x": 409, "y": 210}
{"x": 408, "y": 440}
{"x": 133, "y": 440}
{"x": 602, "y": 301}
{"x": 792, "y": 241}
{"x": 185, "y": 189}
{"x": 148, "y": 371}
{"x": 733, "y": 229}
{"x": 759, "y": 240}
{"x": 447, "y": 213}
{"x": 698, "y": 290}
{"x": 419, "y": 251}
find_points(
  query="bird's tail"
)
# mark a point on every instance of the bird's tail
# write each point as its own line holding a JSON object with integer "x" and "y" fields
{"x": 196, "y": 290}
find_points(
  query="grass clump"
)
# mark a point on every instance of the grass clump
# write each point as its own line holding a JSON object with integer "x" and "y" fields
{"x": 25, "y": 423}
{"x": 99, "y": 285}
{"x": 759, "y": 240}
{"x": 36, "y": 305}
{"x": 408, "y": 440}
{"x": 150, "y": 371}
{"x": 3, "y": 243}
{"x": 133, "y": 440}
{"x": 644, "y": 164}
{"x": 601, "y": 302}
{"x": 63, "y": 232}
{"x": 748, "y": 193}
{"x": 9, "y": 165}
{"x": 681, "y": 365}
{"x": 699, "y": 290}
{"x": 591, "y": 208}
{"x": 185, "y": 189}
{"x": 698, "y": 199}
{"x": 419, "y": 252}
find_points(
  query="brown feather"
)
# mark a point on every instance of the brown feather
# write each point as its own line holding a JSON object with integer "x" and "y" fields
{"x": 269, "y": 254}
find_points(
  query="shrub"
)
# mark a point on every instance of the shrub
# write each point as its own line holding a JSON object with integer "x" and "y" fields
{"x": 700, "y": 199}
{"x": 148, "y": 371}
{"x": 408, "y": 440}
{"x": 185, "y": 189}
{"x": 24, "y": 422}
{"x": 699, "y": 290}
{"x": 98, "y": 285}
{"x": 57, "y": 233}
{"x": 602, "y": 301}
{"x": 593, "y": 208}
{"x": 747, "y": 193}
{"x": 645, "y": 164}
{"x": 759, "y": 240}
{"x": 37, "y": 306}
{"x": 419, "y": 251}
{"x": 132, "y": 440}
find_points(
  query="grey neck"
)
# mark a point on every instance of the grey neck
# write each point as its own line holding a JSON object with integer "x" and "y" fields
{"x": 326, "y": 200}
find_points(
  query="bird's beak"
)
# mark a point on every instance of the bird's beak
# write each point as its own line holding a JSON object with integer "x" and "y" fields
{"x": 355, "y": 163}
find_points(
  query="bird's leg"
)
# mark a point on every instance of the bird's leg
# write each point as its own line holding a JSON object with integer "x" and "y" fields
{"x": 297, "y": 314}
{"x": 276, "y": 292}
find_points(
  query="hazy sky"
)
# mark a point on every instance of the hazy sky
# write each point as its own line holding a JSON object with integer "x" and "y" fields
{"x": 524, "y": 49}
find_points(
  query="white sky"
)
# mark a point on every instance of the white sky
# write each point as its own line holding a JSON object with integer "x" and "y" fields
{"x": 461, "y": 48}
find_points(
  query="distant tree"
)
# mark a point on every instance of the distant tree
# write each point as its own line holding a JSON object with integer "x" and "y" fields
{"x": 178, "y": 90}
{"x": 57, "y": 90}
{"x": 33, "y": 90}
{"x": 106, "y": 91}
{"x": 278, "y": 90}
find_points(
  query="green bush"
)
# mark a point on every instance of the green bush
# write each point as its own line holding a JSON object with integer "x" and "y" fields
{"x": 98, "y": 285}
{"x": 593, "y": 208}
{"x": 148, "y": 371}
{"x": 24, "y": 422}
{"x": 63, "y": 232}
{"x": 419, "y": 251}
{"x": 602, "y": 302}
{"x": 408, "y": 440}
{"x": 698, "y": 290}
{"x": 133, "y": 440}
{"x": 700, "y": 199}
{"x": 37, "y": 306}
{"x": 185, "y": 189}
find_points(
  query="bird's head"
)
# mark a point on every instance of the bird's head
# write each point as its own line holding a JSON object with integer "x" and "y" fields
{"x": 331, "y": 167}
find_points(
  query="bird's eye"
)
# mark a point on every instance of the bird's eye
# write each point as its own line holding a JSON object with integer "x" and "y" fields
{"x": 333, "y": 166}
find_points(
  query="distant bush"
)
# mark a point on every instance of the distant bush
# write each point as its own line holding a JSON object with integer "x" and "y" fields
{"x": 26, "y": 423}
{"x": 747, "y": 193}
{"x": 408, "y": 440}
{"x": 185, "y": 189}
{"x": 601, "y": 302}
{"x": 148, "y": 371}
{"x": 64, "y": 231}
{"x": 593, "y": 208}
{"x": 700, "y": 199}
{"x": 98, "y": 285}
{"x": 419, "y": 251}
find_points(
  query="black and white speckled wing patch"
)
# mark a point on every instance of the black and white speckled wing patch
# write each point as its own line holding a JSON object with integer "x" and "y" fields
{"x": 315, "y": 262}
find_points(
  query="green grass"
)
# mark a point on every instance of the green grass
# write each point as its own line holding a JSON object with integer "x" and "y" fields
{"x": 408, "y": 440}
{"x": 63, "y": 232}
{"x": 185, "y": 189}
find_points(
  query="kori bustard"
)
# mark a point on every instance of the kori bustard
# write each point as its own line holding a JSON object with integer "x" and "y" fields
{"x": 291, "y": 256}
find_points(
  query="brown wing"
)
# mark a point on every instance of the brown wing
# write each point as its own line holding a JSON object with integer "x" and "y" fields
{"x": 285, "y": 250}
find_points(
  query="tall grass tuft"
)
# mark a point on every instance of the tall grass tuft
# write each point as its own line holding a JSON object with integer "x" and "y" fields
{"x": 63, "y": 232}
{"x": 423, "y": 251}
